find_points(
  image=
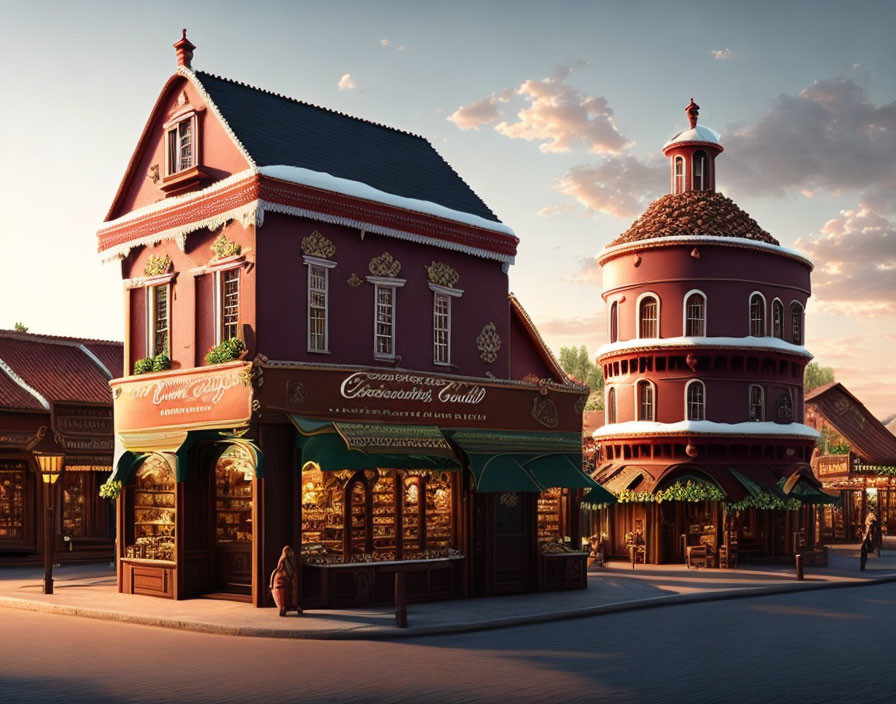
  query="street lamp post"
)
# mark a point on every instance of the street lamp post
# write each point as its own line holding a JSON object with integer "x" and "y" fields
{"x": 50, "y": 466}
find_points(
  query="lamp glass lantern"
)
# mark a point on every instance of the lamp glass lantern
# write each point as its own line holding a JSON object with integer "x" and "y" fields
{"x": 50, "y": 466}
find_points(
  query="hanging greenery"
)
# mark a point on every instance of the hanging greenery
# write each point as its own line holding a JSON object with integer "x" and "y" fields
{"x": 766, "y": 502}
{"x": 111, "y": 489}
{"x": 691, "y": 491}
{"x": 626, "y": 496}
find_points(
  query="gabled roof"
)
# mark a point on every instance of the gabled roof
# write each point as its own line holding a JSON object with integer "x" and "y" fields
{"x": 37, "y": 370}
{"x": 694, "y": 213}
{"x": 278, "y": 130}
{"x": 865, "y": 434}
{"x": 538, "y": 342}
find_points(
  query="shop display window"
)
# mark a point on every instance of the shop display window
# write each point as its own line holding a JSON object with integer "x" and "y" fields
{"x": 233, "y": 499}
{"x": 75, "y": 487}
{"x": 392, "y": 515}
{"x": 549, "y": 518}
{"x": 153, "y": 512}
{"x": 12, "y": 500}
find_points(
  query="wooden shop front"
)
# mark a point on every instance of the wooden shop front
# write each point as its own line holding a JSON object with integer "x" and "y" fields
{"x": 465, "y": 486}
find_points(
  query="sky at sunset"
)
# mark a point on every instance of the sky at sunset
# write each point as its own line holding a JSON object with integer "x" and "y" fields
{"x": 554, "y": 113}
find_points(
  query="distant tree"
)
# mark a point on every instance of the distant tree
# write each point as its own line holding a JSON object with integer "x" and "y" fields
{"x": 21, "y": 327}
{"x": 576, "y": 362}
{"x": 817, "y": 375}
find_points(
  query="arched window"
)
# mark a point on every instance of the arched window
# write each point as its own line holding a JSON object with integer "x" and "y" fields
{"x": 757, "y": 403}
{"x": 646, "y": 404}
{"x": 695, "y": 314}
{"x": 611, "y": 405}
{"x": 614, "y": 321}
{"x": 649, "y": 316}
{"x": 757, "y": 315}
{"x": 699, "y": 177}
{"x": 678, "y": 177}
{"x": 695, "y": 395}
{"x": 796, "y": 317}
{"x": 778, "y": 319}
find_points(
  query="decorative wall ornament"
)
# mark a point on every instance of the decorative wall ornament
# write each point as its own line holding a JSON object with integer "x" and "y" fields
{"x": 442, "y": 274}
{"x": 296, "y": 393}
{"x": 488, "y": 342}
{"x": 581, "y": 401}
{"x": 354, "y": 280}
{"x": 316, "y": 245}
{"x": 156, "y": 265}
{"x": 223, "y": 247}
{"x": 385, "y": 265}
{"x": 784, "y": 409}
{"x": 509, "y": 499}
{"x": 152, "y": 173}
{"x": 545, "y": 412}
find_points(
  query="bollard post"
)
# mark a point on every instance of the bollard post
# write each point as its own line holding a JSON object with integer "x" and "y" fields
{"x": 799, "y": 567}
{"x": 401, "y": 606}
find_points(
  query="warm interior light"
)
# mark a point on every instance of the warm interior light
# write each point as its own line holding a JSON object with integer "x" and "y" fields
{"x": 50, "y": 466}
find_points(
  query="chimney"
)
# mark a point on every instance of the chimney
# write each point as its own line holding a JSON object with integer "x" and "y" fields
{"x": 184, "y": 51}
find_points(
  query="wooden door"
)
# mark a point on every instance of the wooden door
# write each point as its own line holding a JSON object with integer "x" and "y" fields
{"x": 233, "y": 529}
{"x": 511, "y": 558}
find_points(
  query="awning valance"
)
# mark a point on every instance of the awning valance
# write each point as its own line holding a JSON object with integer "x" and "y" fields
{"x": 336, "y": 446}
{"x": 598, "y": 497}
{"x": 796, "y": 486}
{"x": 511, "y": 461}
{"x": 634, "y": 478}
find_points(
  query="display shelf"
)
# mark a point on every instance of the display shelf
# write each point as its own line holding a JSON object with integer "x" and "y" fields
{"x": 12, "y": 501}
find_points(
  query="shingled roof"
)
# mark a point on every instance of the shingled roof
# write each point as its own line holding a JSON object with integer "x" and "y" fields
{"x": 866, "y": 434}
{"x": 277, "y": 130}
{"x": 45, "y": 368}
{"x": 694, "y": 213}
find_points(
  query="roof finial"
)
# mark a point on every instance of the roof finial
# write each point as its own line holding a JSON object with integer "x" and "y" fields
{"x": 184, "y": 51}
{"x": 693, "y": 111}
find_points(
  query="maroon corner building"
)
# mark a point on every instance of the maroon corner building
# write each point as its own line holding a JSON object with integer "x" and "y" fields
{"x": 704, "y": 374}
{"x": 390, "y": 409}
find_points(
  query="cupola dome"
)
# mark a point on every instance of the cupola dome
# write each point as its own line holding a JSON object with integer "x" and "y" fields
{"x": 692, "y": 155}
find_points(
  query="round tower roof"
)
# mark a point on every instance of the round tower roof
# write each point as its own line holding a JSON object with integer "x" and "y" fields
{"x": 700, "y": 133}
{"x": 694, "y": 213}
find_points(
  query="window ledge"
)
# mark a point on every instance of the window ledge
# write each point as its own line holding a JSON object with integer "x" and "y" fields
{"x": 183, "y": 180}
{"x": 394, "y": 359}
{"x": 319, "y": 352}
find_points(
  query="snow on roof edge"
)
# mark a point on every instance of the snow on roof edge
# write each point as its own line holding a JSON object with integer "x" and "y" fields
{"x": 749, "y": 342}
{"x": 357, "y": 189}
{"x": 705, "y": 427}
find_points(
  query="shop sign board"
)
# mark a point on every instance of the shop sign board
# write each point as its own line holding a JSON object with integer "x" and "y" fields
{"x": 219, "y": 396}
{"x": 401, "y": 396}
{"x": 832, "y": 466}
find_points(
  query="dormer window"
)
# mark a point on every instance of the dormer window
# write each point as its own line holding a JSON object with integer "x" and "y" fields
{"x": 678, "y": 175}
{"x": 699, "y": 178}
{"x": 181, "y": 145}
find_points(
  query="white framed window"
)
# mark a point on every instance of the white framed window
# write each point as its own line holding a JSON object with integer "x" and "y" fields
{"x": 695, "y": 400}
{"x": 384, "y": 321}
{"x": 180, "y": 147}
{"x": 695, "y": 314}
{"x": 318, "y": 307}
{"x": 778, "y": 319}
{"x": 441, "y": 322}
{"x": 796, "y": 323}
{"x": 678, "y": 174}
{"x": 646, "y": 400}
{"x": 228, "y": 289}
{"x": 648, "y": 315}
{"x": 757, "y": 403}
{"x": 158, "y": 319}
{"x": 699, "y": 166}
{"x": 614, "y": 321}
{"x": 611, "y": 405}
{"x": 757, "y": 314}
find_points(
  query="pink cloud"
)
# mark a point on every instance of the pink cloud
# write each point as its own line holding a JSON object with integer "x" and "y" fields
{"x": 855, "y": 264}
{"x": 589, "y": 273}
{"x": 346, "y": 82}
{"x": 830, "y": 137}
{"x": 621, "y": 186}
{"x": 553, "y": 113}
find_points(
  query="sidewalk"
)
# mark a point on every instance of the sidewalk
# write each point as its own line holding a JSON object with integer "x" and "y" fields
{"x": 89, "y": 591}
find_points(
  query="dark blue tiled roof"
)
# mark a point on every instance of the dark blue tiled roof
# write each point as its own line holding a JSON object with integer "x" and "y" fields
{"x": 279, "y": 130}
